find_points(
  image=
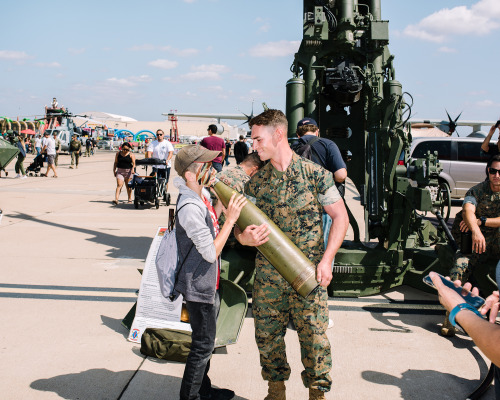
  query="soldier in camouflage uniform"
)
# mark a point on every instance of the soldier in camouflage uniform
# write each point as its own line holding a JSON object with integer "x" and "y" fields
{"x": 481, "y": 215}
{"x": 293, "y": 192}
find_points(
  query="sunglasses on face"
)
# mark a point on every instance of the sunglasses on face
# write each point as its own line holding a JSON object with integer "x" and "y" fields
{"x": 493, "y": 171}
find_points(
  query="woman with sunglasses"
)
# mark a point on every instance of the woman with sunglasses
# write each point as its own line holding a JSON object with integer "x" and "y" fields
{"x": 123, "y": 169}
{"x": 480, "y": 215}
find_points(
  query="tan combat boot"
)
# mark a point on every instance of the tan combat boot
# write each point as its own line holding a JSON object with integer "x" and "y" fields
{"x": 447, "y": 329}
{"x": 276, "y": 391}
{"x": 316, "y": 394}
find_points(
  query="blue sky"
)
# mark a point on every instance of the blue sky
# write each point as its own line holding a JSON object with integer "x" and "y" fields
{"x": 143, "y": 58}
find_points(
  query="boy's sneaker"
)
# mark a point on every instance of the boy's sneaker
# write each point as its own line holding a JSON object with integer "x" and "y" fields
{"x": 219, "y": 394}
{"x": 17, "y": 176}
{"x": 23, "y": 177}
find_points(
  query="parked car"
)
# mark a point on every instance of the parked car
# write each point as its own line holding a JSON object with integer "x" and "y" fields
{"x": 461, "y": 158}
{"x": 106, "y": 143}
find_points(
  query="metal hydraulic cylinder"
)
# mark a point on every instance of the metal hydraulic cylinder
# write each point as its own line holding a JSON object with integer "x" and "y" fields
{"x": 295, "y": 98}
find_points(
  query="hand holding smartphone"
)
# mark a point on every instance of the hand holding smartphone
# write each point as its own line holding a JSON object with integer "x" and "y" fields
{"x": 475, "y": 301}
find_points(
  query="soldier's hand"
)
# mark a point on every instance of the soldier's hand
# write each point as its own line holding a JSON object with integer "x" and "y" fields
{"x": 491, "y": 304}
{"x": 463, "y": 227}
{"x": 324, "y": 273}
{"x": 253, "y": 235}
{"x": 478, "y": 242}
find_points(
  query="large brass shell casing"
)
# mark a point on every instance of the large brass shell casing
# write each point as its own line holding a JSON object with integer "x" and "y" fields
{"x": 279, "y": 250}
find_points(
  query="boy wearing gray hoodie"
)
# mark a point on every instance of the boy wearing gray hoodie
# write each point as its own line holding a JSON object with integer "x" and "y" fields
{"x": 199, "y": 244}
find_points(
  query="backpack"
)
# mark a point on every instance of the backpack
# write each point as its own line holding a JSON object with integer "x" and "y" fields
{"x": 167, "y": 261}
{"x": 166, "y": 344}
{"x": 305, "y": 149}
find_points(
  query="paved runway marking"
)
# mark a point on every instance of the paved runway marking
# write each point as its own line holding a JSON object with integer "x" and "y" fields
{"x": 71, "y": 293}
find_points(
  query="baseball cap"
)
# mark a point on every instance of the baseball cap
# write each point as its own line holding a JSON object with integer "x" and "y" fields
{"x": 190, "y": 154}
{"x": 307, "y": 121}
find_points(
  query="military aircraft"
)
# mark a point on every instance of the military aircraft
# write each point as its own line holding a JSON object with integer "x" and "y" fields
{"x": 450, "y": 126}
{"x": 66, "y": 127}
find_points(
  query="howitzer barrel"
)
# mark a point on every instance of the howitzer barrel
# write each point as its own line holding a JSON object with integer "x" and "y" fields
{"x": 279, "y": 250}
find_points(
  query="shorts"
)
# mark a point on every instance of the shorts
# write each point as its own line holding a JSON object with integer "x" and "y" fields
{"x": 50, "y": 159}
{"x": 123, "y": 174}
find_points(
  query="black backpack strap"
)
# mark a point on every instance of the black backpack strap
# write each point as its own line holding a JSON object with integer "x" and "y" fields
{"x": 315, "y": 153}
{"x": 191, "y": 248}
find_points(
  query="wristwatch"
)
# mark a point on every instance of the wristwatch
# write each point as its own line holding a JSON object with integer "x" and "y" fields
{"x": 483, "y": 221}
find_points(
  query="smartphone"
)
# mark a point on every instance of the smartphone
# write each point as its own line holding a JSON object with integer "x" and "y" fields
{"x": 474, "y": 301}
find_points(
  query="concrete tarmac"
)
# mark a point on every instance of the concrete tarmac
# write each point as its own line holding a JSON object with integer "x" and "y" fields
{"x": 69, "y": 261}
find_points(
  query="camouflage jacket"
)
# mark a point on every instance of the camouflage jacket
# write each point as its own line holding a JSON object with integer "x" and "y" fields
{"x": 294, "y": 200}
{"x": 235, "y": 178}
{"x": 487, "y": 205}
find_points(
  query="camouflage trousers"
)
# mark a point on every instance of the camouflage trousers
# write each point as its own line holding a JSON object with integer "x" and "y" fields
{"x": 464, "y": 264}
{"x": 274, "y": 302}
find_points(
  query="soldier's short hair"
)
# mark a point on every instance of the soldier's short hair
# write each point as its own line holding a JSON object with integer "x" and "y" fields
{"x": 302, "y": 130}
{"x": 253, "y": 159}
{"x": 270, "y": 117}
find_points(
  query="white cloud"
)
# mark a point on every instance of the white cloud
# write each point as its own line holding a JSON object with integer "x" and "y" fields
{"x": 76, "y": 51}
{"x": 210, "y": 72}
{"x": 478, "y": 20}
{"x": 198, "y": 75}
{"x": 264, "y": 24}
{"x": 255, "y": 92}
{"x": 487, "y": 104}
{"x": 180, "y": 52}
{"x": 130, "y": 81}
{"x": 13, "y": 55}
{"x": 163, "y": 64}
{"x": 445, "y": 49}
{"x": 477, "y": 93}
{"x": 48, "y": 65}
{"x": 244, "y": 77}
{"x": 142, "y": 47}
{"x": 275, "y": 49}
{"x": 211, "y": 68}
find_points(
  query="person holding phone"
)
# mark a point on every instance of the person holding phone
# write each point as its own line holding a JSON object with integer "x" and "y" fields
{"x": 484, "y": 333}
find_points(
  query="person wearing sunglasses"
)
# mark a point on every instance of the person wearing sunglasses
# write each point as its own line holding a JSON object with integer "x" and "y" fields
{"x": 480, "y": 215}
{"x": 162, "y": 149}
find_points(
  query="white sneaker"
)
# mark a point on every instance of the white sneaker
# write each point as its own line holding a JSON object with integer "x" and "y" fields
{"x": 17, "y": 176}
{"x": 23, "y": 177}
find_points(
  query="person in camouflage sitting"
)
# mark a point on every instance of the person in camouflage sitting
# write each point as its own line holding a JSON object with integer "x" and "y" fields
{"x": 481, "y": 216}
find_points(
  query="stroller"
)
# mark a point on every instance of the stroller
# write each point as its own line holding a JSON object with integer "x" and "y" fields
{"x": 35, "y": 166}
{"x": 149, "y": 188}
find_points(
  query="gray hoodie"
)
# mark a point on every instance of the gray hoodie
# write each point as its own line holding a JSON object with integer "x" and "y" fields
{"x": 197, "y": 278}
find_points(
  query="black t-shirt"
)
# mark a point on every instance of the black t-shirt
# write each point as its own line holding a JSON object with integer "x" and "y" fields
{"x": 328, "y": 153}
{"x": 240, "y": 151}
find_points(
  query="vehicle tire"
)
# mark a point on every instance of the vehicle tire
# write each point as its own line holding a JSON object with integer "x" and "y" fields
{"x": 443, "y": 200}
{"x": 168, "y": 199}
{"x": 142, "y": 203}
{"x": 136, "y": 203}
{"x": 157, "y": 203}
